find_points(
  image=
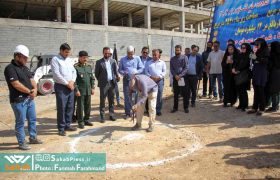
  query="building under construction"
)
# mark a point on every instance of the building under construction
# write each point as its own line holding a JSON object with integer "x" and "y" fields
{"x": 43, "y": 25}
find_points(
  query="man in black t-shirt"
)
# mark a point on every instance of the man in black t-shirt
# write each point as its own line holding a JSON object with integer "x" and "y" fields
{"x": 23, "y": 90}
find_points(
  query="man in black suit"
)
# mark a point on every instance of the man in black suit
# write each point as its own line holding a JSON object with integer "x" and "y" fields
{"x": 106, "y": 73}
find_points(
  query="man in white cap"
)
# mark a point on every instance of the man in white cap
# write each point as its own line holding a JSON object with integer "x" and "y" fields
{"x": 23, "y": 90}
{"x": 127, "y": 65}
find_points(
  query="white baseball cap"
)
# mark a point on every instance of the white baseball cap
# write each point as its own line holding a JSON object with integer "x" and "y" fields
{"x": 22, "y": 49}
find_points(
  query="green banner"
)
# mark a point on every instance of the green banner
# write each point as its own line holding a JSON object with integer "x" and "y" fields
{"x": 52, "y": 162}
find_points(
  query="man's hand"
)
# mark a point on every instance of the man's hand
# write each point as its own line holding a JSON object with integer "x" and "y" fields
{"x": 33, "y": 94}
{"x": 70, "y": 85}
{"x": 92, "y": 91}
{"x": 177, "y": 77}
{"x": 78, "y": 93}
{"x": 134, "y": 108}
{"x": 118, "y": 78}
{"x": 155, "y": 78}
{"x": 233, "y": 71}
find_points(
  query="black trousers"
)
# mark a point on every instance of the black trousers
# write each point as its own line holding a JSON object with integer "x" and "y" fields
{"x": 205, "y": 82}
{"x": 259, "y": 98}
{"x": 179, "y": 90}
{"x": 242, "y": 95}
{"x": 107, "y": 91}
{"x": 191, "y": 86}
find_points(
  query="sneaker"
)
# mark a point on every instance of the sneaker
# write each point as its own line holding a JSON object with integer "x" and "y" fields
{"x": 35, "y": 141}
{"x": 150, "y": 129}
{"x": 215, "y": 98}
{"x": 193, "y": 105}
{"x": 71, "y": 129}
{"x": 159, "y": 114}
{"x": 81, "y": 126}
{"x": 24, "y": 146}
{"x": 271, "y": 109}
{"x": 202, "y": 96}
{"x": 259, "y": 113}
{"x": 252, "y": 111}
{"x": 186, "y": 110}
{"x": 112, "y": 118}
{"x": 210, "y": 97}
{"x": 126, "y": 116}
{"x": 61, "y": 133}
{"x": 136, "y": 127}
{"x": 102, "y": 119}
{"x": 173, "y": 110}
{"x": 87, "y": 123}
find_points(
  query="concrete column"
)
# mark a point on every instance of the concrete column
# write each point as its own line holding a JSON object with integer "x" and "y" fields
{"x": 182, "y": 16}
{"x": 182, "y": 21}
{"x": 182, "y": 3}
{"x": 129, "y": 20}
{"x": 162, "y": 23}
{"x": 67, "y": 4}
{"x": 201, "y": 28}
{"x": 90, "y": 16}
{"x": 148, "y": 16}
{"x": 191, "y": 27}
{"x": 58, "y": 14}
{"x": 197, "y": 28}
{"x": 105, "y": 13}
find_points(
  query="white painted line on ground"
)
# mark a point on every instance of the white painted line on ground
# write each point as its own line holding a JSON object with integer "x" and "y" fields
{"x": 184, "y": 152}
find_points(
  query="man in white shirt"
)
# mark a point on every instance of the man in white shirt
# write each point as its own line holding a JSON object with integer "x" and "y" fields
{"x": 64, "y": 76}
{"x": 156, "y": 70}
{"x": 214, "y": 67}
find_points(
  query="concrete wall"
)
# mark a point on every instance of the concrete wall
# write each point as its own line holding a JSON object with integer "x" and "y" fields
{"x": 46, "y": 37}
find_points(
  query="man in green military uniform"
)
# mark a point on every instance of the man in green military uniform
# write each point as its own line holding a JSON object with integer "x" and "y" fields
{"x": 84, "y": 89}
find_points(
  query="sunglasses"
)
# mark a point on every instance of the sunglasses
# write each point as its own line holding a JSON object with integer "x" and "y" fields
{"x": 145, "y": 52}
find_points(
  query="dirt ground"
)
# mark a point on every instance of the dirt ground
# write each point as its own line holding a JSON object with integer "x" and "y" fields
{"x": 211, "y": 142}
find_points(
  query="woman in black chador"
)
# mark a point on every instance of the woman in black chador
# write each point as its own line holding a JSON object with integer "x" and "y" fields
{"x": 274, "y": 75}
{"x": 241, "y": 68}
{"x": 260, "y": 73}
{"x": 230, "y": 57}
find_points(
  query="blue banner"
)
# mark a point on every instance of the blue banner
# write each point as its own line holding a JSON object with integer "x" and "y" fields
{"x": 246, "y": 20}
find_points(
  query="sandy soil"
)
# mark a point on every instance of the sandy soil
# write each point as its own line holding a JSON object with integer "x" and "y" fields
{"x": 211, "y": 142}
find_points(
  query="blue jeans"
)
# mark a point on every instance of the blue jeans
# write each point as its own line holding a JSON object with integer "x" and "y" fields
{"x": 25, "y": 110}
{"x": 159, "y": 96}
{"x": 127, "y": 103}
{"x": 213, "y": 78}
{"x": 64, "y": 105}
